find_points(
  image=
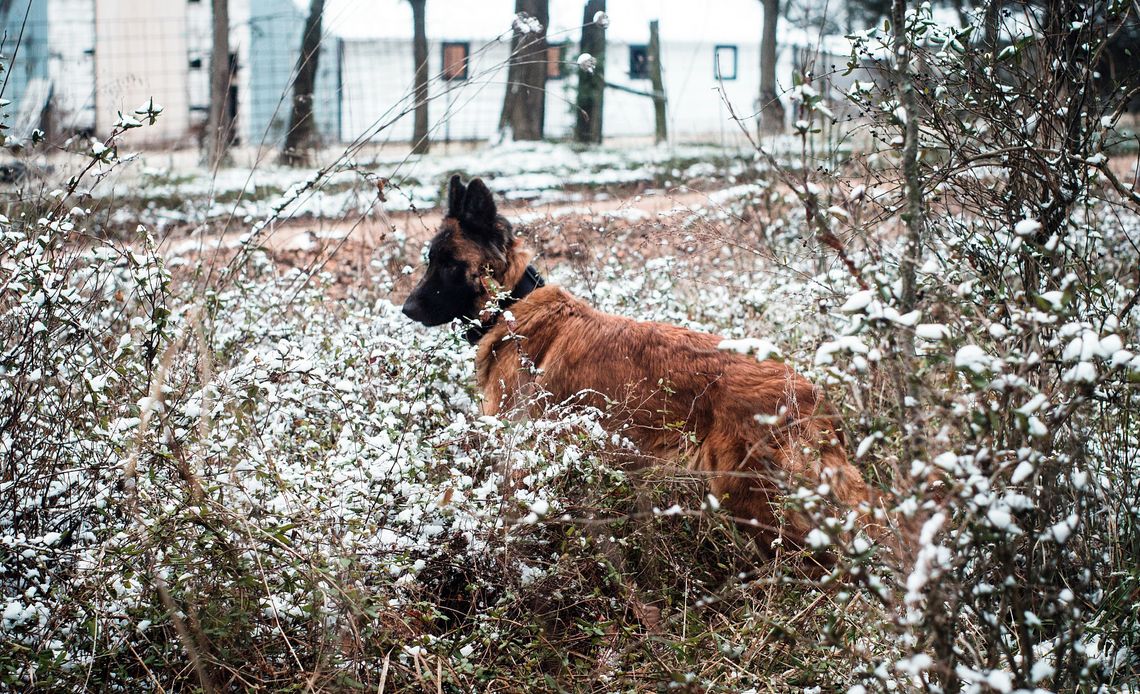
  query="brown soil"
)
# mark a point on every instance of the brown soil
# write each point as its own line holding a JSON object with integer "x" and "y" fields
{"x": 344, "y": 248}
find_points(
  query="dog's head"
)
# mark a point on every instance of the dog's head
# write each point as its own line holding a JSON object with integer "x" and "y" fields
{"x": 472, "y": 256}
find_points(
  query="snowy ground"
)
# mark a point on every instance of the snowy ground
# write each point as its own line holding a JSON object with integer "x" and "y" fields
{"x": 278, "y": 474}
{"x": 168, "y": 195}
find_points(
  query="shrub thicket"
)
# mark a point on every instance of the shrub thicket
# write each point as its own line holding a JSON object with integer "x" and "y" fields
{"x": 237, "y": 482}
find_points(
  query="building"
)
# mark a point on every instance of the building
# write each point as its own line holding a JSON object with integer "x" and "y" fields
{"x": 703, "y": 53}
{"x": 147, "y": 50}
{"x": 274, "y": 29}
{"x": 82, "y": 62}
{"x": 47, "y": 54}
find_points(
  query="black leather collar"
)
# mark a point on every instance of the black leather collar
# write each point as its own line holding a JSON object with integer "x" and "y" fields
{"x": 530, "y": 281}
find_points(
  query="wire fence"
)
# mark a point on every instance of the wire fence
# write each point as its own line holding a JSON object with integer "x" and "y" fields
{"x": 75, "y": 72}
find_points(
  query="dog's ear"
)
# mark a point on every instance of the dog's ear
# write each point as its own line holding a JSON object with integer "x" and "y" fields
{"x": 455, "y": 194}
{"x": 478, "y": 207}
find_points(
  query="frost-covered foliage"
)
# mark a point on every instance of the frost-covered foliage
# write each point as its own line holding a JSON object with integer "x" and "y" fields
{"x": 253, "y": 484}
{"x": 1010, "y": 413}
{"x": 286, "y": 472}
{"x": 231, "y": 480}
{"x": 248, "y": 483}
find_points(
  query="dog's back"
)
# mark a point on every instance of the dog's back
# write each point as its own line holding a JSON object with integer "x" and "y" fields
{"x": 756, "y": 428}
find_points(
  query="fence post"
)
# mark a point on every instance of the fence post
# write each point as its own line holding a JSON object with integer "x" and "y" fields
{"x": 656, "y": 81}
{"x": 591, "y": 85}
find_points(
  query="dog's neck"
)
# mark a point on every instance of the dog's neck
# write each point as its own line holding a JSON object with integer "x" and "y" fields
{"x": 530, "y": 281}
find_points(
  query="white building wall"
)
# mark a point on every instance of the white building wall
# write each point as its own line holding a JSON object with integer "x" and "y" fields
{"x": 71, "y": 63}
{"x": 561, "y": 96}
{"x": 239, "y": 44}
{"x": 689, "y": 38}
{"x": 377, "y": 83}
{"x": 141, "y": 52}
{"x": 377, "y": 79}
{"x": 696, "y": 109}
{"x": 199, "y": 46}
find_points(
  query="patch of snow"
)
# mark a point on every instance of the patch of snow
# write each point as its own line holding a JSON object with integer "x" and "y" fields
{"x": 760, "y": 348}
{"x": 587, "y": 62}
{"x": 972, "y": 358}
{"x": 858, "y": 301}
{"x": 1027, "y": 227}
{"x": 932, "y": 331}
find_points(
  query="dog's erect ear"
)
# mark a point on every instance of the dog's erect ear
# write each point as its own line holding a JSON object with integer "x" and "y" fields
{"x": 455, "y": 194}
{"x": 478, "y": 206}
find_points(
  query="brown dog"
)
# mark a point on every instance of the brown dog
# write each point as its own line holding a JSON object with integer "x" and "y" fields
{"x": 756, "y": 428}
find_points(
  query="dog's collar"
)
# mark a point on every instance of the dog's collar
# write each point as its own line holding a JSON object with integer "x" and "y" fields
{"x": 530, "y": 281}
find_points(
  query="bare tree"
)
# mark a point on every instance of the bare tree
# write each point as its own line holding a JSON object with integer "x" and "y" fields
{"x": 420, "y": 141}
{"x": 524, "y": 106}
{"x": 912, "y": 255}
{"x": 591, "y": 83}
{"x": 302, "y": 132}
{"x": 658, "y": 82}
{"x": 991, "y": 25}
{"x": 218, "y": 126}
{"x": 771, "y": 118}
{"x": 961, "y": 10}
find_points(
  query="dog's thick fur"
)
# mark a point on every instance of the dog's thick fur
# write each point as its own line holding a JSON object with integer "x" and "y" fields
{"x": 756, "y": 428}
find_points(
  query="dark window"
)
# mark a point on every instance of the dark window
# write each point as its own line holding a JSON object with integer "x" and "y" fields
{"x": 195, "y": 63}
{"x": 639, "y": 62}
{"x": 724, "y": 63}
{"x": 556, "y": 61}
{"x": 455, "y": 60}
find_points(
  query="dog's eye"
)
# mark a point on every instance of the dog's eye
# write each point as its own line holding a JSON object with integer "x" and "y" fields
{"x": 452, "y": 269}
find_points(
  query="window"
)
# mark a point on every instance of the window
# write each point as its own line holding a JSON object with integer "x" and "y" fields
{"x": 639, "y": 62}
{"x": 195, "y": 63}
{"x": 455, "y": 60}
{"x": 724, "y": 63}
{"x": 556, "y": 61}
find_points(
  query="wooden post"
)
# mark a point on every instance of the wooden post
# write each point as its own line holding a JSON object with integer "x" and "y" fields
{"x": 420, "y": 140}
{"x": 591, "y": 85}
{"x": 218, "y": 133}
{"x": 302, "y": 133}
{"x": 524, "y": 105}
{"x": 656, "y": 81}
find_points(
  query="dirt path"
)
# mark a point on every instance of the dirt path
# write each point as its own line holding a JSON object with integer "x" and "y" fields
{"x": 368, "y": 232}
{"x": 345, "y": 248}
{"x": 307, "y": 234}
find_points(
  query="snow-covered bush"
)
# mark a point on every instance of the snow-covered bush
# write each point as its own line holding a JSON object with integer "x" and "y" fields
{"x": 1008, "y": 403}
{"x": 232, "y": 480}
{"x": 247, "y": 482}
{"x": 253, "y": 483}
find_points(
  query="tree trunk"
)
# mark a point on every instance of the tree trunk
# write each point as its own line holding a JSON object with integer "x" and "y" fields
{"x": 420, "y": 140}
{"x": 771, "y": 118}
{"x": 524, "y": 106}
{"x": 218, "y": 125}
{"x": 657, "y": 82}
{"x": 912, "y": 251}
{"x": 591, "y": 86}
{"x": 992, "y": 24}
{"x": 301, "y": 135}
{"x": 960, "y": 10}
